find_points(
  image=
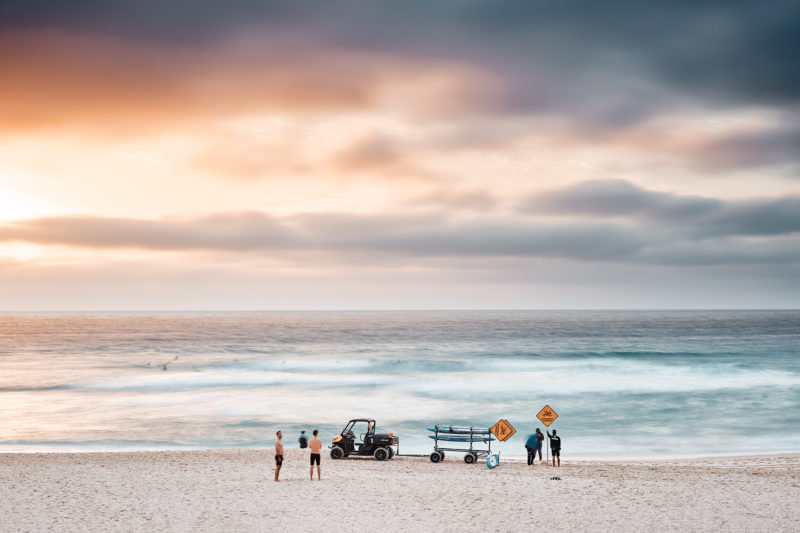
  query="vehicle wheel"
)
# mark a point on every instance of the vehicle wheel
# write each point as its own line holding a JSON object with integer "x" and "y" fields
{"x": 381, "y": 454}
{"x": 469, "y": 458}
{"x": 442, "y": 454}
{"x": 337, "y": 452}
{"x": 391, "y": 452}
{"x": 436, "y": 457}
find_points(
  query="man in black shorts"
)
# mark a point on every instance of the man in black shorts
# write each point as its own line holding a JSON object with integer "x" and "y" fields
{"x": 315, "y": 445}
{"x": 278, "y": 454}
{"x": 555, "y": 447}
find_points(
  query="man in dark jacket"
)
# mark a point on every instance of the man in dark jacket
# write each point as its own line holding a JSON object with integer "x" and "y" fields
{"x": 555, "y": 447}
{"x": 532, "y": 444}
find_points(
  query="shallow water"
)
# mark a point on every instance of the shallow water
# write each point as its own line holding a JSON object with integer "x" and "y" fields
{"x": 623, "y": 383}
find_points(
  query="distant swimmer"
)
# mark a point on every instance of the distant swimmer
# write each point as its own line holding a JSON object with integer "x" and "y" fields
{"x": 532, "y": 444}
{"x": 555, "y": 447}
{"x": 278, "y": 454}
{"x": 316, "y": 452}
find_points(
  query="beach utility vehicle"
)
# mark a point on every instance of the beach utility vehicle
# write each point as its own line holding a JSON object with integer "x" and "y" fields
{"x": 358, "y": 438}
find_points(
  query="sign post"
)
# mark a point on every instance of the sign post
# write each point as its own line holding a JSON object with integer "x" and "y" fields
{"x": 547, "y": 416}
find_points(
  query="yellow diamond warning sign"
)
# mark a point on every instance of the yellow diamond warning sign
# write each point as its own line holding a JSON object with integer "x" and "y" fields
{"x": 547, "y": 415}
{"x": 503, "y": 430}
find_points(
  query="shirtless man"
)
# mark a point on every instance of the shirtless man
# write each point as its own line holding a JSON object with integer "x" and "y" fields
{"x": 315, "y": 445}
{"x": 278, "y": 454}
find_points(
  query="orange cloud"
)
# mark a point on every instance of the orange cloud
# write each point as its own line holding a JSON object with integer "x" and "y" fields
{"x": 54, "y": 79}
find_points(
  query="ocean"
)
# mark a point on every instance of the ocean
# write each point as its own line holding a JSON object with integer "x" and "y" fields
{"x": 625, "y": 384}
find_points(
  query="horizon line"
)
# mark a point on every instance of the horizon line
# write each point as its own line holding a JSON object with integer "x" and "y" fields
{"x": 394, "y": 310}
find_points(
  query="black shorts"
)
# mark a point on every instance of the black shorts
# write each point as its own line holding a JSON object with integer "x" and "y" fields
{"x": 279, "y": 460}
{"x": 556, "y": 453}
{"x": 314, "y": 459}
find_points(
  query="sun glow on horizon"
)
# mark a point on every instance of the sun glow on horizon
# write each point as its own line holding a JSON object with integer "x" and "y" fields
{"x": 17, "y": 205}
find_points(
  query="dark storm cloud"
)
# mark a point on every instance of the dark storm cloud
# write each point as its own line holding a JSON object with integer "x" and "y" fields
{"x": 597, "y": 66}
{"x": 173, "y": 21}
{"x": 738, "y": 50}
{"x": 698, "y": 217}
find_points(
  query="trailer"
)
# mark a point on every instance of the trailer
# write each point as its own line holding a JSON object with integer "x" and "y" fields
{"x": 469, "y": 440}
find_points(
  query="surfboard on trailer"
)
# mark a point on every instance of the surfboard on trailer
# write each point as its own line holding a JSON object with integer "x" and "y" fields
{"x": 450, "y": 430}
{"x": 462, "y": 438}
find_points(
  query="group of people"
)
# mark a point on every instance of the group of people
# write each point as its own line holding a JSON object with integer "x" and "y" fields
{"x": 314, "y": 445}
{"x": 534, "y": 445}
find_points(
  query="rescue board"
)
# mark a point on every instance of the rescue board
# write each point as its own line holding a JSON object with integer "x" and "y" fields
{"x": 448, "y": 431}
{"x": 462, "y": 438}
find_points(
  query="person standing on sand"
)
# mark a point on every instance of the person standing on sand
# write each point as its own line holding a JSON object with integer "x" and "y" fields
{"x": 316, "y": 448}
{"x": 541, "y": 441}
{"x": 302, "y": 440}
{"x": 555, "y": 446}
{"x": 278, "y": 454}
{"x": 531, "y": 445}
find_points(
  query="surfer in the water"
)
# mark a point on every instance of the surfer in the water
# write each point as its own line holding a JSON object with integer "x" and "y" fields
{"x": 531, "y": 445}
{"x": 555, "y": 447}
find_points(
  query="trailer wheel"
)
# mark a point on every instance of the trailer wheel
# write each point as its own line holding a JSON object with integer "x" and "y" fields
{"x": 337, "y": 452}
{"x": 436, "y": 457}
{"x": 469, "y": 458}
{"x": 442, "y": 454}
{"x": 381, "y": 454}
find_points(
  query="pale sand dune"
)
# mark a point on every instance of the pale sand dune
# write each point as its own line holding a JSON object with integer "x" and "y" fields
{"x": 232, "y": 490}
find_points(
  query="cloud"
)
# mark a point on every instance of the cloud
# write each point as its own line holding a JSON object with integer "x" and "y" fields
{"x": 729, "y": 234}
{"x": 451, "y": 198}
{"x": 610, "y": 198}
{"x": 370, "y": 153}
{"x": 698, "y": 217}
{"x": 242, "y": 231}
{"x": 768, "y": 147}
{"x": 600, "y": 67}
{"x": 736, "y": 52}
{"x": 113, "y": 84}
{"x": 431, "y": 235}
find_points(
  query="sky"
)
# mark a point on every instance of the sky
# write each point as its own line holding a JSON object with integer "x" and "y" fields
{"x": 456, "y": 154}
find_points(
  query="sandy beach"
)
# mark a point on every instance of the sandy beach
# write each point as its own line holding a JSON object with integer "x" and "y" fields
{"x": 233, "y": 490}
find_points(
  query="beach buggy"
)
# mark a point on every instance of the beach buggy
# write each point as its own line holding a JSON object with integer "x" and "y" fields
{"x": 358, "y": 438}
